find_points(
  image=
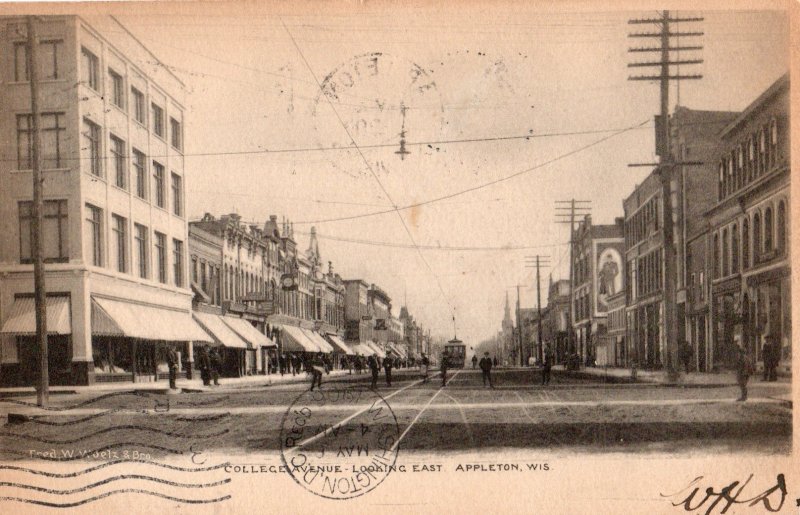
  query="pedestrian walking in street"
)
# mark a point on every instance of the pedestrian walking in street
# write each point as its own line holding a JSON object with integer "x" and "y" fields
{"x": 349, "y": 363}
{"x": 297, "y": 364}
{"x": 204, "y": 365}
{"x": 486, "y": 369}
{"x": 172, "y": 363}
{"x": 443, "y": 368}
{"x": 282, "y": 363}
{"x": 374, "y": 367}
{"x": 423, "y": 367}
{"x": 474, "y": 361}
{"x": 744, "y": 369}
{"x": 388, "y": 363}
{"x": 316, "y": 367}
{"x": 494, "y": 361}
{"x": 357, "y": 364}
{"x": 546, "y": 367}
{"x": 215, "y": 363}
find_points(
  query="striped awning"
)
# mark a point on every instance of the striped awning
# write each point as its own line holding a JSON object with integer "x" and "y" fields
{"x": 21, "y": 317}
{"x": 319, "y": 341}
{"x": 219, "y": 330}
{"x": 360, "y": 349}
{"x": 294, "y": 339}
{"x": 149, "y": 322}
{"x": 246, "y": 330}
{"x": 339, "y": 345}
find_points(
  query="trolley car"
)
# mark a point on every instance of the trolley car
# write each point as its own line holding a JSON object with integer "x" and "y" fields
{"x": 456, "y": 353}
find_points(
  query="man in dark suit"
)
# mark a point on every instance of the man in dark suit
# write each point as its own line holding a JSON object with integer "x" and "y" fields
{"x": 486, "y": 369}
{"x": 388, "y": 363}
{"x": 374, "y": 367}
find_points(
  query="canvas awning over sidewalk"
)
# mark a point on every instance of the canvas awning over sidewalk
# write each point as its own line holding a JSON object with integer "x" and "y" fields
{"x": 219, "y": 330}
{"x": 120, "y": 318}
{"x": 21, "y": 318}
{"x": 340, "y": 346}
{"x": 244, "y": 329}
{"x": 319, "y": 341}
{"x": 294, "y": 339}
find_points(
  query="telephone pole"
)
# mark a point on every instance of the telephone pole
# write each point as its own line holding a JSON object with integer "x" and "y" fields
{"x": 37, "y": 243}
{"x": 566, "y": 210}
{"x": 540, "y": 260}
{"x": 666, "y": 165}
{"x": 519, "y": 332}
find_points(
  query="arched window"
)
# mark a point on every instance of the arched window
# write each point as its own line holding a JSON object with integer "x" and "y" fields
{"x": 745, "y": 243}
{"x": 768, "y": 229}
{"x": 716, "y": 255}
{"x": 726, "y": 250}
{"x": 762, "y": 150}
{"x": 773, "y": 142}
{"x": 739, "y": 166}
{"x": 781, "y": 227}
{"x": 757, "y": 248}
{"x": 735, "y": 249}
{"x": 720, "y": 192}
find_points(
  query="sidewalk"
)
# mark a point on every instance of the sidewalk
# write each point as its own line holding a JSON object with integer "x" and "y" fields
{"x": 660, "y": 376}
{"x": 163, "y": 385}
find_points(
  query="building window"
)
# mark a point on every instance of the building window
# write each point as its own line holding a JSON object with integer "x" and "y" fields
{"x": 139, "y": 111}
{"x": 50, "y": 54}
{"x": 781, "y": 227}
{"x": 773, "y": 143}
{"x": 768, "y": 229}
{"x": 91, "y": 147}
{"x": 158, "y": 120}
{"x": 54, "y": 229}
{"x": 158, "y": 183}
{"x": 725, "y": 253}
{"x": 194, "y": 270}
{"x": 140, "y": 173}
{"x": 140, "y": 234}
{"x": 94, "y": 234}
{"x": 120, "y": 228}
{"x": 177, "y": 189}
{"x": 89, "y": 68}
{"x": 53, "y": 131}
{"x": 118, "y": 158}
{"x": 161, "y": 257}
{"x": 757, "y": 248}
{"x": 117, "y": 86}
{"x": 177, "y": 257}
{"x": 735, "y": 250}
{"x": 176, "y": 136}
{"x": 745, "y": 244}
{"x": 203, "y": 277}
{"x": 716, "y": 255}
{"x": 702, "y": 286}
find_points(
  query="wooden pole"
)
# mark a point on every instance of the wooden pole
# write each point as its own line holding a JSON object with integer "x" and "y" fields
{"x": 37, "y": 242}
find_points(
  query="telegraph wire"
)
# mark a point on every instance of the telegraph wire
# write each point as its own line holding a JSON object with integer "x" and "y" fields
{"x": 477, "y": 187}
{"x": 432, "y": 247}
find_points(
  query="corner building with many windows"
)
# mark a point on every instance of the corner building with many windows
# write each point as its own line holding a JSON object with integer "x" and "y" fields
{"x": 115, "y": 226}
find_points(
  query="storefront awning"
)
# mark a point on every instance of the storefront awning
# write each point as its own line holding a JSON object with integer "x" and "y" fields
{"x": 151, "y": 322}
{"x": 219, "y": 330}
{"x": 21, "y": 318}
{"x": 375, "y": 348}
{"x": 294, "y": 339}
{"x": 360, "y": 350}
{"x": 199, "y": 293}
{"x": 319, "y": 341}
{"x": 246, "y": 330}
{"x": 339, "y": 345}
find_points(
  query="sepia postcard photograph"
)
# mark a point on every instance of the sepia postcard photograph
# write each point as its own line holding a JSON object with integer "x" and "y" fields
{"x": 382, "y": 257}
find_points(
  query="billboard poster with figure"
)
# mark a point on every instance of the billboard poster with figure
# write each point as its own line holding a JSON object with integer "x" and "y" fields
{"x": 608, "y": 277}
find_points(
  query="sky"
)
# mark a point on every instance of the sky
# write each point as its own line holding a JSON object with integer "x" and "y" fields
{"x": 542, "y": 100}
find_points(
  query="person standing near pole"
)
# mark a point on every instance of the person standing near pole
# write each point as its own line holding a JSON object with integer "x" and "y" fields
{"x": 547, "y": 366}
{"x": 215, "y": 365}
{"x": 744, "y": 369}
{"x": 374, "y": 367}
{"x": 443, "y": 368}
{"x": 486, "y": 369}
{"x": 204, "y": 363}
{"x": 388, "y": 363}
{"x": 172, "y": 363}
{"x": 474, "y": 361}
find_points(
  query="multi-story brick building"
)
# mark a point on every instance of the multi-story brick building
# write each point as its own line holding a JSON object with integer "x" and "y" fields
{"x": 597, "y": 271}
{"x": 115, "y": 225}
{"x": 693, "y": 138}
{"x": 556, "y": 325}
{"x": 749, "y": 261}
